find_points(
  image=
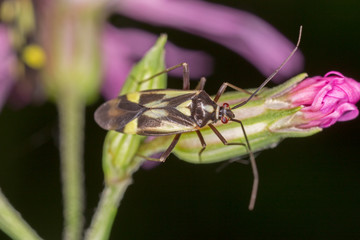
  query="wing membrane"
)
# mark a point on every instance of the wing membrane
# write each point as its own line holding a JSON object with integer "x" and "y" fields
{"x": 116, "y": 113}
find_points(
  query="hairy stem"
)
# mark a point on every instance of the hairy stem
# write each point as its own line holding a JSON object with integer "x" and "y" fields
{"x": 12, "y": 223}
{"x": 104, "y": 217}
{"x": 71, "y": 115}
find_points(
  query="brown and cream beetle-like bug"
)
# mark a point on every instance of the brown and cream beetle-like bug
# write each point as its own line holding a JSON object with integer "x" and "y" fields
{"x": 173, "y": 112}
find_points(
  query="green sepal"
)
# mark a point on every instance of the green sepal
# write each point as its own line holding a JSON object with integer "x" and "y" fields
{"x": 284, "y": 87}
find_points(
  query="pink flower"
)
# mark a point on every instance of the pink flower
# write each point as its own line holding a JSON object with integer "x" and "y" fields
{"x": 326, "y": 100}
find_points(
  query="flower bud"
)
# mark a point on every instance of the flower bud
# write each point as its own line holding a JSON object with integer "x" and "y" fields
{"x": 326, "y": 100}
{"x": 299, "y": 107}
{"x": 119, "y": 149}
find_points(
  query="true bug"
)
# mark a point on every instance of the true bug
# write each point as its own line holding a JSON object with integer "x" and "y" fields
{"x": 166, "y": 112}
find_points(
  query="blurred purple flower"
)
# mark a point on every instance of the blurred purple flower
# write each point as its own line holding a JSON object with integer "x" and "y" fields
{"x": 248, "y": 35}
{"x": 326, "y": 100}
{"x": 122, "y": 48}
{"x": 7, "y": 59}
{"x": 242, "y": 32}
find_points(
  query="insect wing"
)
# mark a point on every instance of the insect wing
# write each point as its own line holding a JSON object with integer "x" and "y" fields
{"x": 116, "y": 113}
{"x": 165, "y": 97}
{"x": 168, "y": 112}
{"x": 160, "y": 122}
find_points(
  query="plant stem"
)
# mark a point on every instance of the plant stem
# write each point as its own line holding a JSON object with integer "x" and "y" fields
{"x": 104, "y": 217}
{"x": 71, "y": 115}
{"x": 12, "y": 223}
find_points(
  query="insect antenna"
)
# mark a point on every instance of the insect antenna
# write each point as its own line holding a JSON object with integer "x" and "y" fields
{"x": 274, "y": 73}
{"x": 247, "y": 145}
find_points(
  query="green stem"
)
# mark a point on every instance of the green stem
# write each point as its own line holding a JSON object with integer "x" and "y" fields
{"x": 12, "y": 223}
{"x": 104, "y": 217}
{"x": 71, "y": 115}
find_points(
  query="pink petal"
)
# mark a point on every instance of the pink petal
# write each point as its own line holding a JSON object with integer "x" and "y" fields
{"x": 347, "y": 112}
{"x": 327, "y": 99}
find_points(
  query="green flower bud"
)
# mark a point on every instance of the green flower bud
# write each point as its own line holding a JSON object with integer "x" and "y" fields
{"x": 288, "y": 110}
{"x": 120, "y": 149}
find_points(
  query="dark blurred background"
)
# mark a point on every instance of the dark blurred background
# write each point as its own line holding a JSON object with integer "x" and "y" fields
{"x": 309, "y": 187}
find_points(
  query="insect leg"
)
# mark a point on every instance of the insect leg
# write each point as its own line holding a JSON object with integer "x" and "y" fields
{"x": 221, "y": 137}
{"x": 186, "y": 74}
{"x": 252, "y": 160}
{"x": 203, "y": 143}
{"x": 201, "y": 84}
{"x": 224, "y": 86}
{"x": 253, "y": 166}
{"x": 165, "y": 154}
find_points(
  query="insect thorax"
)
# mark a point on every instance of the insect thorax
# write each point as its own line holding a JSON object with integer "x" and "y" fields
{"x": 204, "y": 109}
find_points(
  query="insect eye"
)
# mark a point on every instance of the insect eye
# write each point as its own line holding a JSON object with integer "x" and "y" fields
{"x": 226, "y": 105}
{"x": 224, "y": 119}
